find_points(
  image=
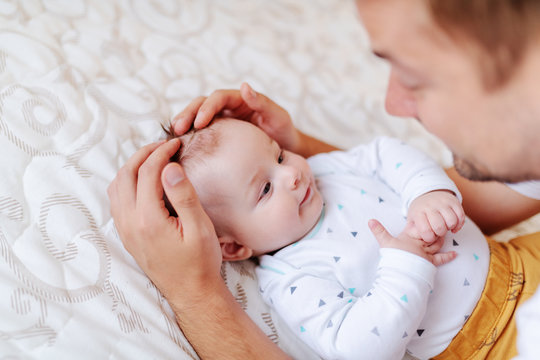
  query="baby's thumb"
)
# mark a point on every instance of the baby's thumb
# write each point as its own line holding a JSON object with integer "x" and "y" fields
{"x": 381, "y": 234}
{"x": 182, "y": 197}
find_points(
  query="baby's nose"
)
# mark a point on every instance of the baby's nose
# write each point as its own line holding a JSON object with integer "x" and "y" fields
{"x": 295, "y": 177}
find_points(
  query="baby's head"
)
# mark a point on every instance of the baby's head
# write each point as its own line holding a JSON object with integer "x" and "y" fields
{"x": 259, "y": 197}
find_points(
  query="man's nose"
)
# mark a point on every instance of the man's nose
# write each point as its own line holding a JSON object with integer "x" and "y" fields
{"x": 399, "y": 100}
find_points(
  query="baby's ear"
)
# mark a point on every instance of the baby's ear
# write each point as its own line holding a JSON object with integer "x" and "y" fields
{"x": 232, "y": 250}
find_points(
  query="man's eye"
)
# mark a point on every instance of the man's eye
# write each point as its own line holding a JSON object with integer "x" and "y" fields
{"x": 280, "y": 158}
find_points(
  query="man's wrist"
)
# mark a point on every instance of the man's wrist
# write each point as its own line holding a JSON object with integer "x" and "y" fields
{"x": 188, "y": 299}
{"x": 217, "y": 327}
{"x": 309, "y": 146}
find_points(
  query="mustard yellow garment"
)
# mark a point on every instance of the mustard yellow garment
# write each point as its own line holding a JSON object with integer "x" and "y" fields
{"x": 513, "y": 277}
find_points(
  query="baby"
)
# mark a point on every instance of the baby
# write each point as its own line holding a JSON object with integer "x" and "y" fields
{"x": 320, "y": 267}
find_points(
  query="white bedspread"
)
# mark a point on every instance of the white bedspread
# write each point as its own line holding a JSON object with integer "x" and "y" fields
{"x": 83, "y": 84}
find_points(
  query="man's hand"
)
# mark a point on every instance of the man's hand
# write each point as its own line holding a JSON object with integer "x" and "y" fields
{"x": 176, "y": 253}
{"x": 433, "y": 214}
{"x": 243, "y": 104}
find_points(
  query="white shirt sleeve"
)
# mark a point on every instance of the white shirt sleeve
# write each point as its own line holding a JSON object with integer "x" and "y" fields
{"x": 339, "y": 325}
{"x": 408, "y": 171}
{"x": 528, "y": 188}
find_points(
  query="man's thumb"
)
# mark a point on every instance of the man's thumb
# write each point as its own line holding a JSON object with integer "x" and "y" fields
{"x": 181, "y": 194}
{"x": 380, "y": 233}
{"x": 254, "y": 100}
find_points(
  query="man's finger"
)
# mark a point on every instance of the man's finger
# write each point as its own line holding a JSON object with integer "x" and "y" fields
{"x": 149, "y": 187}
{"x": 184, "y": 199}
{"x": 259, "y": 102}
{"x": 135, "y": 161}
{"x": 184, "y": 120}
{"x": 215, "y": 104}
{"x": 123, "y": 189}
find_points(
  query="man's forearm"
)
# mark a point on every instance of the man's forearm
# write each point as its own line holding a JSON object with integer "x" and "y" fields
{"x": 312, "y": 146}
{"x": 218, "y": 328}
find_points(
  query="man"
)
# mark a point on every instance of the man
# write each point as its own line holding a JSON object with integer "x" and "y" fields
{"x": 467, "y": 69}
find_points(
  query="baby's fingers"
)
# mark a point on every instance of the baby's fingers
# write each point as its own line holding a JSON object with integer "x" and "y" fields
{"x": 443, "y": 258}
{"x": 460, "y": 214}
{"x": 435, "y": 246}
{"x": 437, "y": 222}
{"x": 424, "y": 228}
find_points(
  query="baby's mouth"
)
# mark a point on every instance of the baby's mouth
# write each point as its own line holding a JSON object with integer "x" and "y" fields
{"x": 306, "y": 197}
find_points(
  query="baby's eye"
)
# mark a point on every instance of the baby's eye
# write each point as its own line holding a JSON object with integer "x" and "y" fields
{"x": 266, "y": 189}
{"x": 280, "y": 157}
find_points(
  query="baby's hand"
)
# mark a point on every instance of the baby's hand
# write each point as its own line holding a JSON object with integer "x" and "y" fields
{"x": 414, "y": 245}
{"x": 431, "y": 215}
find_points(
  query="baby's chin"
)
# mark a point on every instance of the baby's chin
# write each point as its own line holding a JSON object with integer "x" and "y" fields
{"x": 315, "y": 211}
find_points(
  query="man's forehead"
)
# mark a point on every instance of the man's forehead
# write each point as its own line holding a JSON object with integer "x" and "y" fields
{"x": 401, "y": 29}
{"x": 393, "y": 21}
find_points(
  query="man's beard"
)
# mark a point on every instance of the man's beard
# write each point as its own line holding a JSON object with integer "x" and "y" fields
{"x": 475, "y": 173}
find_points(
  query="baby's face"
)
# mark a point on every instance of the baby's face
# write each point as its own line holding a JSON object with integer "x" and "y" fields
{"x": 266, "y": 196}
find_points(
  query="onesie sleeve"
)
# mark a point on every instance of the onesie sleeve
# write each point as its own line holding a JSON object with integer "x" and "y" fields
{"x": 337, "y": 322}
{"x": 406, "y": 170}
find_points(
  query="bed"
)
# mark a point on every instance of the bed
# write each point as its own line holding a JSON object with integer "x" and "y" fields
{"x": 84, "y": 84}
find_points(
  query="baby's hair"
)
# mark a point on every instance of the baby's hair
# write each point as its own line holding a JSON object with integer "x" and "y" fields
{"x": 197, "y": 144}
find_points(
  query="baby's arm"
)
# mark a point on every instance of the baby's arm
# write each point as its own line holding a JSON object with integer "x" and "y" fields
{"x": 341, "y": 322}
{"x": 431, "y": 215}
{"x": 430, "y": 199}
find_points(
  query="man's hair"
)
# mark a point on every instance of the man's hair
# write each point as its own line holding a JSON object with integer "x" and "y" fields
{"x": 197, "y": 144}
{"x": 503, "y": 30}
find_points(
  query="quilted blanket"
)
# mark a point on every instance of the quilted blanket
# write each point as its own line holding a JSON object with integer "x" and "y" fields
{"x": 84, "y": 84}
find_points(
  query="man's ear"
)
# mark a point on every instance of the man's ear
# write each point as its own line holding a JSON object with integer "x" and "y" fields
{"x": 232, "y": 250}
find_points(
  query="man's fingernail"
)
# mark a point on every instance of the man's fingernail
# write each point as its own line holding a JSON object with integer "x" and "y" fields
{"x": 252, "y": 92}
{"x": 199, "y": 115}
{"x": 173, "y": 175}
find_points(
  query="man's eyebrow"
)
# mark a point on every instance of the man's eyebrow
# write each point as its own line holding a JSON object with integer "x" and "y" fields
{"x": 387, "y": 57}
{"x": 380, "y": 54}
{"x": 393, "y": 61}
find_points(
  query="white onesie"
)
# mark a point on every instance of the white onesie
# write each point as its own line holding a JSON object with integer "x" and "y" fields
{"x": 349, "y": 299}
